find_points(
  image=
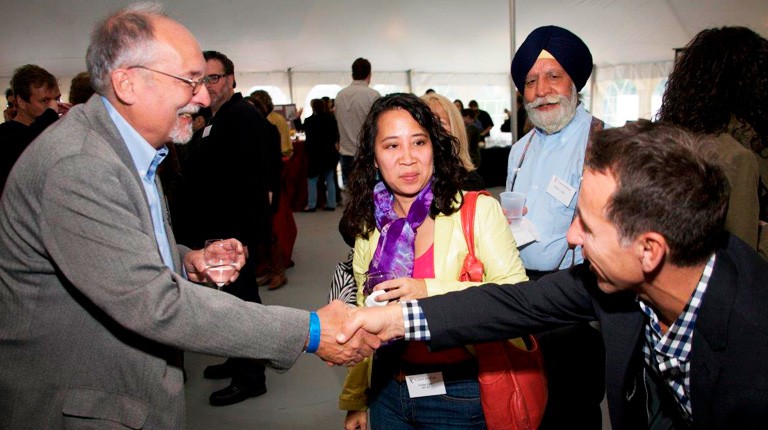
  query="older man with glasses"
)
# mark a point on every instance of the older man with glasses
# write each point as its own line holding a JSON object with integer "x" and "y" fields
{"x": 96, "y": 302}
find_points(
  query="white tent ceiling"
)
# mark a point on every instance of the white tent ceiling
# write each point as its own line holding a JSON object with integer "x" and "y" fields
{"x": 462, "y": 36}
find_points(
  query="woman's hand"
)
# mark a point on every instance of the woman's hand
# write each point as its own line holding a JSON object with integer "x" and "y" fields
{"x": 402, "y": 289}
{"x": 356, "y": 420}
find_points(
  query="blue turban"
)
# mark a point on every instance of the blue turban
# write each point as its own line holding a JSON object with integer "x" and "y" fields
{"x": 570, "y": 51}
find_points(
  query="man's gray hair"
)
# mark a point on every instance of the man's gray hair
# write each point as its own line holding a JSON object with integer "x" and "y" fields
{"x": 123, "y": 39}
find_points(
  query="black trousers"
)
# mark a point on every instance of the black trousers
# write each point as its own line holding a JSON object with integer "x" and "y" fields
{"x": 246, "y": 372}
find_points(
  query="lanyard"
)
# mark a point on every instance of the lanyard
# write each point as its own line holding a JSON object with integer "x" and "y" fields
{"x": 519, "y": 164}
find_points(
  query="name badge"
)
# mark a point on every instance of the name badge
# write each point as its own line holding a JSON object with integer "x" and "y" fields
{"x": 561, "y": 190}
{"x": 425, "y": 384}
{"x": 207, "y": 130}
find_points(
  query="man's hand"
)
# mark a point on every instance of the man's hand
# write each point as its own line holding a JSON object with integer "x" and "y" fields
{"x": 195, "y": 265}
{"x": 386, "y": 322}
{"x": 62, "y": 108}
{"x": 357, "y": 345}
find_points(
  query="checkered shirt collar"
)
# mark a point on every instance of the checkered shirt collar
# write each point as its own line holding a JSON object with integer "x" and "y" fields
{"x": 668, "y": 354}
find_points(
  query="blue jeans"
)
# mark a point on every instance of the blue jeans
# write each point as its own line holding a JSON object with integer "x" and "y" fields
{"x": 330, "y": 187}
{"x": 459, "y": 408}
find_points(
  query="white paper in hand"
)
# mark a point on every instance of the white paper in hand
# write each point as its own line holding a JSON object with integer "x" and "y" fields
{"x": 370, "y": 302}
{"x": 524, "y": 231}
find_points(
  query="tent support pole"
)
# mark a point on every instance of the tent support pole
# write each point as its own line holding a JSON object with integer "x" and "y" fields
{"x": 410, "y": 80}
{"x": 593, "y": 89}
{"x": 290, "y": 84}
{"x": 512, "y": 92}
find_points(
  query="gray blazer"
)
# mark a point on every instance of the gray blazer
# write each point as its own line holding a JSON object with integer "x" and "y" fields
{"x": 91, "y": 321}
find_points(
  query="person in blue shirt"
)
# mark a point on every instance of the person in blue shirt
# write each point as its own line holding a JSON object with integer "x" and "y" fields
{"x": 549, "y": 69}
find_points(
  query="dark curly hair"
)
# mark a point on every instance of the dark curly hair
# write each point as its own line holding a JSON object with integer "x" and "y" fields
{"x": 358, "y": 218}
{"x": 721, "y": 72}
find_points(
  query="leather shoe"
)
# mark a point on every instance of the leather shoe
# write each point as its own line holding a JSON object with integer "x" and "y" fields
{"x": 277, "y": 281}
{"x": 235, "y": 393}
{"x": 263, "y": 280}
{"x": 217, "y": 371}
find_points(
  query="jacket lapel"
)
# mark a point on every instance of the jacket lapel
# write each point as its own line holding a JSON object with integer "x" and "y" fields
{"x": 621, "y": 324}
{"x": 711, "y": 335}
{"x": 99, "y": 117}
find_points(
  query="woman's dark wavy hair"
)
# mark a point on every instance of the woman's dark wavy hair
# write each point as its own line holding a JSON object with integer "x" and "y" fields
{"x": 722, "y": 71}
{"x": 358, "y": 218}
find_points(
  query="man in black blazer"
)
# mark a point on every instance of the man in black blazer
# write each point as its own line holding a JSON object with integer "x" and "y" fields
{"x": 681, "y": 303}
{"x": 229, "y": 165}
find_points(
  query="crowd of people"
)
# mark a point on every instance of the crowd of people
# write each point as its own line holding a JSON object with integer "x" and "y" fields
{"x": 645, "y": 284}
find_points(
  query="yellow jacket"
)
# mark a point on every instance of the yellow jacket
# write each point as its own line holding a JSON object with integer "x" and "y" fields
{"x": 494, "y": 246}
{"x": 286, "y": 147}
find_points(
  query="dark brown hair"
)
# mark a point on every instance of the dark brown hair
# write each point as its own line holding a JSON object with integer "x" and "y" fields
{"x": 664, "y": 184}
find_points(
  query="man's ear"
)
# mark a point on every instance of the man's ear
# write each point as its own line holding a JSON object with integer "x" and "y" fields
{"x": 123, "y": 84}
{"x": 652, "y": 250}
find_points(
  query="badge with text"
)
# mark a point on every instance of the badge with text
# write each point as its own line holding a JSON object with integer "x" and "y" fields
{"x": 425, "y": 384}
{"x": 207, "y": 130}
{"x": 561, "y": 190}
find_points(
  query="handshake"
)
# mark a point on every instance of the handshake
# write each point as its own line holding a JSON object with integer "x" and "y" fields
{"x": 349, "y": 334}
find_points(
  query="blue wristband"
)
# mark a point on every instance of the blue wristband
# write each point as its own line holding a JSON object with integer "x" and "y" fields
{"x": 314, "y": 333}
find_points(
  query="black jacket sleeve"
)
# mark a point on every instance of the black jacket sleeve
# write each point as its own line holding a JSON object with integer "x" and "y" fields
{"x": 496, "y": 312}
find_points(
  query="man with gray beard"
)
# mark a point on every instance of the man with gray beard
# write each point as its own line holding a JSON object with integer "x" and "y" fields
{"x": 97, "y": 300}
{"x": 550, "y": 68}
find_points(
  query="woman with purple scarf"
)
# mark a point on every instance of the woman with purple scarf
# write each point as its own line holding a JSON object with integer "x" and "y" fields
{"x": 403, "y": 203}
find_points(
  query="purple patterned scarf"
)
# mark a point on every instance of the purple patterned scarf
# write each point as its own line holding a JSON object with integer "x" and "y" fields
{"x": 396, "y": 248}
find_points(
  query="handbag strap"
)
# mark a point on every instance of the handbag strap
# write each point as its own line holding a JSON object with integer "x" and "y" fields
{"x": 468, "y": 218}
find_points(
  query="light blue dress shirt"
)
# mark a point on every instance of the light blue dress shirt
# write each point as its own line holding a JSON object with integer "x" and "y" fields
{"x": 560, "y": 154}
{"x": 146, "y": 159}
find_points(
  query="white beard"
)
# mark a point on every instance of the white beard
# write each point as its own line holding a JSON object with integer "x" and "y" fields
{"x": 553, "y": 120}
{"x": 180, "y": 133}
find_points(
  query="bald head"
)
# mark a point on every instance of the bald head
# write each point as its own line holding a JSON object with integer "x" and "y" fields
{"x": 140, "y": 34}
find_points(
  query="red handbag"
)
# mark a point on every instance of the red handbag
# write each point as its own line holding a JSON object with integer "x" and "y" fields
{"x": 513, "y": 385}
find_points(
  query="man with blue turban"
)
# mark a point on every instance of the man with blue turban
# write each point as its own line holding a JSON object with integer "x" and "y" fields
{"x": 549, "y": 69}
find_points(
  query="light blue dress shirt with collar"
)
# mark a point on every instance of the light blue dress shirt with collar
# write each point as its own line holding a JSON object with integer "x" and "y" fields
{"x": 146, "y": 159}
{"x": 559, "y": 154}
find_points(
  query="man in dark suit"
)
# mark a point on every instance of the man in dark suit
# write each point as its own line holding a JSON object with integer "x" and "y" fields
{"x": 37, "y": 102}
{"x": 96, "y": 302}
{"x": 229, "y": 165}
{"x": 681, "y": 303}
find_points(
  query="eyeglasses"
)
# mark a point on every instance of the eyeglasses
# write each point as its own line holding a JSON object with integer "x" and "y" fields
{"x": 214, "y": 79}
{"x": 195, "y": 84}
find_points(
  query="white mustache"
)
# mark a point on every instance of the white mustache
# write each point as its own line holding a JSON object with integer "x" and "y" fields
{"x": 190, "y": 109}
{"x": 551, "y": 99}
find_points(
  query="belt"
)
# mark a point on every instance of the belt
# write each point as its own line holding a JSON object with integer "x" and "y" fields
{"x": 451, "y": 372}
